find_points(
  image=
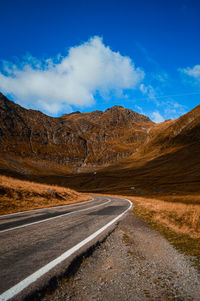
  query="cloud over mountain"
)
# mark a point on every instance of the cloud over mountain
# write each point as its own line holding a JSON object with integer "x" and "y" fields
{"x": 157, "y": 117}
{"x": 72, "y": 80}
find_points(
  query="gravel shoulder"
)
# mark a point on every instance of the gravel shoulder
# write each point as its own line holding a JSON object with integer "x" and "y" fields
{"x": 134, "y": 263}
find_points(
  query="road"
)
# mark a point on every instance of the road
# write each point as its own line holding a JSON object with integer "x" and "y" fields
{"x": 38, "y": 244}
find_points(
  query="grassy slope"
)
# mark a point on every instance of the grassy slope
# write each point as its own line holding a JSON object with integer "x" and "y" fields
{"x": 17, "y": 195}
{"x": 177, "y": 219}
{"x": 178, "y": 222}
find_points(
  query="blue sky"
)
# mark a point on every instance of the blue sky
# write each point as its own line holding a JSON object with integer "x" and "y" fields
{"x": 61, "y": 56}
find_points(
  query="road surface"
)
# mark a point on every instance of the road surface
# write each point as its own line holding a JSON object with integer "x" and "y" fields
{"x": 38, "y": 244}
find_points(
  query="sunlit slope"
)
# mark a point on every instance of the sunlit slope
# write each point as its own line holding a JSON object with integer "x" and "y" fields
{"x": 17, "y": 195}
{"x": 32, "y": 143}
{"x": 169, "y": 161}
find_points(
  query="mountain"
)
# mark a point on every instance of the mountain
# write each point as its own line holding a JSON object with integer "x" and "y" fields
{"x": 118, "y": 151}
{"x": 33, "y": 143}
{"x": 168, "y": 162}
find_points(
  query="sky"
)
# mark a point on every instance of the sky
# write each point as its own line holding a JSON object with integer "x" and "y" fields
{"x": 61, "y": 56}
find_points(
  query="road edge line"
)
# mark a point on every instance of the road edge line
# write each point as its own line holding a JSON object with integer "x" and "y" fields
{"x": 16, "y": 289}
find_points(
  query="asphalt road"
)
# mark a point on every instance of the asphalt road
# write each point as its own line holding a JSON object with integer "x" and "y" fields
{"x": 38, "y": 244}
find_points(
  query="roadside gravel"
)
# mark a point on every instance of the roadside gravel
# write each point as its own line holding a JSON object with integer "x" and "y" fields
{"x": 134, "y": 263}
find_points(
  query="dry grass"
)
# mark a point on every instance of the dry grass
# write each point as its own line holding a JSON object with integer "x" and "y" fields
{"x": 176, "y": 218}
{"x": 17, "y": 195}
{"x": 179, "y": 222}
{"x": 180, "y": 217}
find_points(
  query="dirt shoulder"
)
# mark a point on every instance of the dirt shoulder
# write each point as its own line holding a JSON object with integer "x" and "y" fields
{"x": 175, "y": 218}
{"x": 134, "y": 263}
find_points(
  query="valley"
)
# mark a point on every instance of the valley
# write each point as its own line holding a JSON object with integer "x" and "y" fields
{"x": 48, "y": 162}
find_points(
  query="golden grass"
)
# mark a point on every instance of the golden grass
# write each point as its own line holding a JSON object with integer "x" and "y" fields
{"x": 17, "y": 195}
{"x": 180, "y": 217}
{"x": 178, "y": 222}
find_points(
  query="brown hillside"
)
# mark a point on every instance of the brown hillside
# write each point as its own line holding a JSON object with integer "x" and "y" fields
{"x": 32, "y": 143}
{"x": 125, "y": 148}
{"x": 17, "y": 195}
{"x": 167, "y": 163}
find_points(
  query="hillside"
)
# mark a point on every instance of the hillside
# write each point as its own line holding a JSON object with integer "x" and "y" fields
{"x": 126, "y": 150}
{"x": 32, "y": 143}
{"x": 168, "y": 162}
{"x": 17, "y": 195}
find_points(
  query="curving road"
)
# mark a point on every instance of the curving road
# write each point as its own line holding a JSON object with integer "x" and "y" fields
{"x": 36, "y": 245}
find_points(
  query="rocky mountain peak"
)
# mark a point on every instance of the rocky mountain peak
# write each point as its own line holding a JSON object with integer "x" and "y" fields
{"x": 128, "y": 115}
{"x": 114, "y": 108}
{"x": 72, "y": 113}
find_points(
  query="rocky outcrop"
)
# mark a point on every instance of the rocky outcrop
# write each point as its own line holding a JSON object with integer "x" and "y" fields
{"x": 31, "y": 134}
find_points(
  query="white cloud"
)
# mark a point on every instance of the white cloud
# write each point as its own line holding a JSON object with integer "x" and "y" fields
{"x": 173, "y": 109}
{"x": 193, "y": 72}
{"x": 150, "y": 92}
{"x": 55, "y": 84}
{"x": 157, "y": 117}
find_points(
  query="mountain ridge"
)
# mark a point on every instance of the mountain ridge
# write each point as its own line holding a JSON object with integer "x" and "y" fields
{"x": 102, "y": 151}
{"x": 69, "y": 143}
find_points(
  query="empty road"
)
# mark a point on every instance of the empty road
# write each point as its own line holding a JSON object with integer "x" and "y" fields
{"x": 36, "y": 245}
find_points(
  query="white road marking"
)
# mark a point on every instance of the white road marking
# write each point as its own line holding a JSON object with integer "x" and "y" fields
{"x": 16, "y": 289}
{"x": 50, "y": 218}
{"x": 62, "y": 206}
